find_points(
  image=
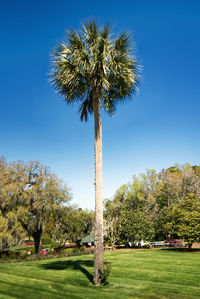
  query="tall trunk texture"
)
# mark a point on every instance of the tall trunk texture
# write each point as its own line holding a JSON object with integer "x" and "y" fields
{"x": 99, "y": 249}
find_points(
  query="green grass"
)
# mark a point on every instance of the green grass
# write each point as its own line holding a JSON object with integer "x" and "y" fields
{"x": 135, "y": 274}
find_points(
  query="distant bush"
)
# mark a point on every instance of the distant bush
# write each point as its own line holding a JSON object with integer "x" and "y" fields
{"x": 21, "y": 255}
{"x": 67, "y": 250}
{"x": 79, "y": 250}
{"x": 61, "y": 247}
{"x": 13, "y": 255}
{"x": 4, "y": 254}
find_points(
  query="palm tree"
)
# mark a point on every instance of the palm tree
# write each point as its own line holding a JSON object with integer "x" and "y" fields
{"x": 98, "y": 71}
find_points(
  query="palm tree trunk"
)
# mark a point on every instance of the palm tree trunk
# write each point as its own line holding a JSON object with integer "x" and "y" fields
{"x": 99, "y": 249}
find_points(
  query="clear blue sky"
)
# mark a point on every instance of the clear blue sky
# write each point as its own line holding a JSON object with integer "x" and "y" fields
{"x": 158, "y": 128}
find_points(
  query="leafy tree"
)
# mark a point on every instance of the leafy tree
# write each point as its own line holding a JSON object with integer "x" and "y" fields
{"x": 99, "y": 71}
{"x": 10, "y": 185}
{"x": 72, "y": 224}
{"x": 197, "y": 170}
{"x": 29, "y": 195}
{"x": 113, "y": 221}
{"x": 11, "y": 232}
{"x": 185, "y": 219}
{"x": 161, "y": 219}
{"x": 131, "y": 209}
{"x": 136, "y": 226}
{"x": 175, "y": 184}
{"x": 43, "y": 195}
{"x": 156, "y": 195}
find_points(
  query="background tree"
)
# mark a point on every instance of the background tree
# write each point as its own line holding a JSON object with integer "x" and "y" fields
{"x": 43, "y": 195}
{"x": 176, "y": 183}
{"x": 72, "y": 224}
{"x": 129, "y": 216}
{"x": 113, "y": 221}
{"x": 185, "y": 219}
{"x": 11, "y": 231}
{"x": 11, "y": 184}
{"x": 29, "y": 195}
{"x": 156, "y": 200}
{"x": 99, "y": 71}
{"x": 137, "y": 226}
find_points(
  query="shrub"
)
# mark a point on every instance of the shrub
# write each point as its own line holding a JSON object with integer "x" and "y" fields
{"x": 4, "y": 255}
{"x": 79, "y": 250}
{"x": 13, "y": 255}
{"x": 23, "y": 254}
{"x": 19, "y": 255}
{"x": 67, "y": 250}
{"x": 106, "y": 273}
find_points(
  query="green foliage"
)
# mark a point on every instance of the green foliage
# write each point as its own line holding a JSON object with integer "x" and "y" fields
{"x": 79, "y": 250}
{"x": 11, "y": 231}
{"x": 197, "y": 170}
{"x": 30, "y": 195}
{"x": 185, "y": 219}
{"x": 137, "y": 226}
{"x": 72, "y": 224}
{"x": 91, "y": 64}
{"x": 162, "y": 203}
{"x": 20, "y": 255}
{"x": 113, "y": 221}
{"x": 46, "y": 240}
{"x": 129, "y": 215}
{"x": 75, "y": 250}
{"x": 13, "y": 255}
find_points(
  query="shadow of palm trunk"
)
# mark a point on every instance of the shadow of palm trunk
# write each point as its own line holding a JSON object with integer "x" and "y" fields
{"x": 76, "y": 265}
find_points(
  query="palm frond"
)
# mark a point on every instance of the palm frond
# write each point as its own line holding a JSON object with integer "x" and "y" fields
{"x": 91, "y": 59}
{"x": 85, "y": 108}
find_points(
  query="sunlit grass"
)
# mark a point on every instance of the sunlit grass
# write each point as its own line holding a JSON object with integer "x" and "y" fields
{"x": 134, "y": 274}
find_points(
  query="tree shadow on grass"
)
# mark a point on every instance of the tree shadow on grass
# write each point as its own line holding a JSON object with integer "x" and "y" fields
{"x": 76, "y": 265}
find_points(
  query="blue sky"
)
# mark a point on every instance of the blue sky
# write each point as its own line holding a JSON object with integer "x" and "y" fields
{"x": 158, "y": 128}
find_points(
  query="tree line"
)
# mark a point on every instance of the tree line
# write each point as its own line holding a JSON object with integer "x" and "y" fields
{"x": 153, "y": 206}
{"x": 156, "y": 206}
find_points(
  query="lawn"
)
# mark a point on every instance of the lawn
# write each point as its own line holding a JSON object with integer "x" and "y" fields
{"x": 135, "y": 274}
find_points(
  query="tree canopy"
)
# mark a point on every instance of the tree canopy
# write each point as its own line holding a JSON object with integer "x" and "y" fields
{"x": 29, "y": 195}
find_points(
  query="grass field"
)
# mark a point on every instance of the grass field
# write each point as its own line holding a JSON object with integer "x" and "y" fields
{"x": 135, "y": 274}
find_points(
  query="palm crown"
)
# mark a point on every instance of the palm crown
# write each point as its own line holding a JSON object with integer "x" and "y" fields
{"x": 91, "y": 62}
